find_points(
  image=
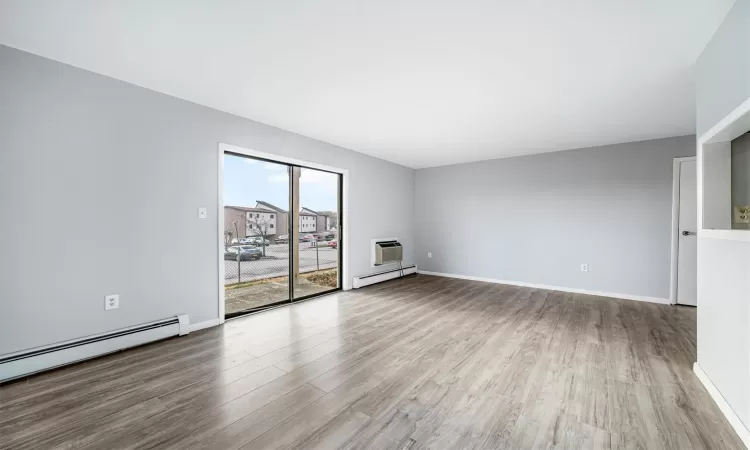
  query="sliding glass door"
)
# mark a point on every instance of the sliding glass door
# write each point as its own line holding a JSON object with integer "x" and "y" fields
{"x": 281, "y": 233}
{"x": 317, "y": 250}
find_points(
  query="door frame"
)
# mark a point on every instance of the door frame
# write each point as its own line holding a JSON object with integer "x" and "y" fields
{"x": 344, "y": 214}
{"x": 676, "y": 225}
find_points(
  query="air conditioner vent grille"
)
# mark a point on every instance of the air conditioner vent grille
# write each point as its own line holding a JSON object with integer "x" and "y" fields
{"x": 388, "y": 252}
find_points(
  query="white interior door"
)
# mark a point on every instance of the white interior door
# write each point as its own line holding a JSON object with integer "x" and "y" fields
{"x": 687, "y": 247}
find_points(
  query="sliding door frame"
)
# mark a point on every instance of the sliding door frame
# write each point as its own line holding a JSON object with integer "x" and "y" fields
{"x": 343, "y": 203}
{"x": 339, "y": 226}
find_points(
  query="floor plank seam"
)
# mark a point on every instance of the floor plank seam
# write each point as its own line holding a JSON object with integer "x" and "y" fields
{"x": 418, "y": 363}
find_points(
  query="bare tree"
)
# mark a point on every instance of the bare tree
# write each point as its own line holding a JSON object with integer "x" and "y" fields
{"x": 260, "y": 227}
{"x": 231, "y": 233}
{"x": 228, "y": 236}
{"x": 234, "y": 220}
{"x": 333, "y": 218}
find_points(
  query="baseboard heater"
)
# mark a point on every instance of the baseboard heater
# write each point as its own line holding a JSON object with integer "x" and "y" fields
{"x": 28, "y": 362}
{"x": 367, "y": 280}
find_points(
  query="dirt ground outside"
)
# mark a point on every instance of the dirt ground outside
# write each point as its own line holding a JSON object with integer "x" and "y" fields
{"x": 242, "y": 296}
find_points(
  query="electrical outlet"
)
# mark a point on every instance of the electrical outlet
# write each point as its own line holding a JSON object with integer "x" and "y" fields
{"x": 429, "y": 254}
{"x": 202, "y": 213}
{"x": 584, "y": 267}
{"x": 111, "y": 302}
{"x": 742, "y": 214}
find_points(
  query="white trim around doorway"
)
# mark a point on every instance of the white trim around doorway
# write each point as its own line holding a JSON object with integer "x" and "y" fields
{"x": 675, "y": 226}
{"x": 734, "y": 125}
{"x": 222, "y": 149}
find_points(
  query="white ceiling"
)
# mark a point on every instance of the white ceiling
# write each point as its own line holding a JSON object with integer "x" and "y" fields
{"x": 417, "y": 82}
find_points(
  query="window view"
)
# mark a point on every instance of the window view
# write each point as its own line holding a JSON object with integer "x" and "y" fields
{"x": 261, "y": 253}
{"x": 317, "y": 248}
{"x": 256, "y": 260}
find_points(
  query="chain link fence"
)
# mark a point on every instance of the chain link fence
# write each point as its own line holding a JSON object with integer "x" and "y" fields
{"x": 255, "y": 263}
{"x": 256, "y": 276}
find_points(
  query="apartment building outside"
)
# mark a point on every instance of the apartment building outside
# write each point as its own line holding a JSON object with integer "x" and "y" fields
{"x": 271, "y": 221}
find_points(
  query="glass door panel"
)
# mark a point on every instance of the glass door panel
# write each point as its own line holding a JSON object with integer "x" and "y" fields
{"x": 256, "y": 241}
{"x": 267, "y": 261}
{"x": 317, "y": 250}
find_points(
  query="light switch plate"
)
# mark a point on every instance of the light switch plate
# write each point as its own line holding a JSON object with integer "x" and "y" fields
{"x": 202, "y": 213}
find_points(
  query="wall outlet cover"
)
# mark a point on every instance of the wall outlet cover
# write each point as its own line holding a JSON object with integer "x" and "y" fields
{"x": 202, "y": 213}
{"x": 742, "y": 214}
{"x": 111, "y": 302}
{"x": 584, "y": 267}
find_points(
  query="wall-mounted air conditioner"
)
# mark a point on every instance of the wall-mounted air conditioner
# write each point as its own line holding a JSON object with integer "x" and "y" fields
{"x": 386, "y": 251}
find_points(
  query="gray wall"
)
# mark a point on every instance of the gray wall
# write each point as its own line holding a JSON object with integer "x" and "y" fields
{"x": 536, "y": 219}
{"x": 723, "y": 319}
{"x": 94, "y": 171}
{"x": 723, "y": 69}
{"x": 723, "y": 266}
{"x": 740, "y": 175}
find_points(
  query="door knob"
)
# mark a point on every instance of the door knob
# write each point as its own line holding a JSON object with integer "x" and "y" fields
{"x": 687, "y": 233}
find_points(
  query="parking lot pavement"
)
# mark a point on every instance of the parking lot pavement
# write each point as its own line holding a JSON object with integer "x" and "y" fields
{"x": 276, "y": 263}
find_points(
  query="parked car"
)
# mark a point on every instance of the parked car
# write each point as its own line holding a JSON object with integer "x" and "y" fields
{"x": 307, "y": 238}
{"x": 242, "y": 241}
{"x": 230, "y": 255}
{"x": 333, "y": 244}
{"x": 253, "y": 251}
{"x": 247, "y": 253}
{"x": 283, "y": 239}
{"x": 258, "y": 241}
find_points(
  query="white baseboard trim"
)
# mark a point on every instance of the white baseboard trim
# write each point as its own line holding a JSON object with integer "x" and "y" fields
{"x": 727, "y": 410}
{"x": 392, "y": 273}
{"x": 204, "y": 324}
{"x": 640, "y": 298}
{"x": 28, "y": 362}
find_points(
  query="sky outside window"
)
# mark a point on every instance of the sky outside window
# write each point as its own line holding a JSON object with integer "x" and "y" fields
{"x": 247, "y": 180}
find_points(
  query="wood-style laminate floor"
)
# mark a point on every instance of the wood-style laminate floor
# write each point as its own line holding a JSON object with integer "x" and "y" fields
{"x": 421, "y": 362}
